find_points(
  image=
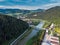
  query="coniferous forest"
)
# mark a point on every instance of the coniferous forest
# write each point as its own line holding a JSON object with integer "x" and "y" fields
{"x": 10, "y": 28}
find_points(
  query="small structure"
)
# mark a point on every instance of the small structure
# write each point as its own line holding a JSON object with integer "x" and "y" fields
{"x": 54, "y": 40}
{"x": 52, "y": 26}
{"x": 35, "y": 15}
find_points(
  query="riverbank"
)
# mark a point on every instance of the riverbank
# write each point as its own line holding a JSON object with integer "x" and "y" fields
{"x": 37, "y": 39}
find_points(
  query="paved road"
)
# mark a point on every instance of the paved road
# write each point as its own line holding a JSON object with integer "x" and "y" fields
{"x": 33, "y": 33}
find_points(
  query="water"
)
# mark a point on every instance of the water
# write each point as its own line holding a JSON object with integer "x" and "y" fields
{"x": 33, "y": 33}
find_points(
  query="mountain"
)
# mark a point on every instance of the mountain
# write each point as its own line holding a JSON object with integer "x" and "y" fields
{"x": 52, "y": 15}
{"x": 11, "y": 28}
{"x": 8, "y": 11}
{"x": 38, "y": 10}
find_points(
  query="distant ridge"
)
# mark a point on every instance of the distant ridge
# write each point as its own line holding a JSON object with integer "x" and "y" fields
{"x": 8, "y": 11}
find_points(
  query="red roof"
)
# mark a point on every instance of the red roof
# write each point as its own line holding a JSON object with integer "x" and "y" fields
{"x": 56, "y": 43}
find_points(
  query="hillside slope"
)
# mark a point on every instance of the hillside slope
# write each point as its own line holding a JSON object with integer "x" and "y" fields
{"x": 52, "y": 15}
{"x": 10, "y": 28}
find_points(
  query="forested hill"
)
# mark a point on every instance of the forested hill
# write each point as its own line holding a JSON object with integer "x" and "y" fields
{"x": 22, "y": 11}
{"x": 11, "y": 28}
{"x": 52, "y": 15}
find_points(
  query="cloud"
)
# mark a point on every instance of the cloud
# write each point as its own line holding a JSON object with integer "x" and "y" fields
{"x": 19, "y": 7}
{"x": 29, "y": 6}
{"x": 27, "y": 2}
{"x": 52, "y": 0}
{"x": 2, "y": 0}
{"x": 56, "y": 1}
{"x": 46, "y": 6}
{"x": 22, "y": 0}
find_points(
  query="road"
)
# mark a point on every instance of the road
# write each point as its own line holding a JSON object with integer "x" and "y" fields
{"x": 50, "y": 39}
{"x": 46, "y": 39}
{"x": 33, "y": 33}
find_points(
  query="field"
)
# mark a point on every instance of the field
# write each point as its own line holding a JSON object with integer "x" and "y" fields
{"x": 57, "y": 29}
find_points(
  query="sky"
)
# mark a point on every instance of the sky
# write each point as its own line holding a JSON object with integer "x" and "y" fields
{"x": 29, "y": 4}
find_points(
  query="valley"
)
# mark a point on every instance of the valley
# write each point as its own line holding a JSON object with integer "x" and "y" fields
{"x": 29, "y": 27}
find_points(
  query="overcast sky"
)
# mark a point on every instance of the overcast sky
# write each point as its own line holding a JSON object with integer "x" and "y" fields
{"x": 29, "y": 4}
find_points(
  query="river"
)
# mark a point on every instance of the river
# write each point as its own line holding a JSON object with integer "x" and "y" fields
{"x": 33, "y": 33}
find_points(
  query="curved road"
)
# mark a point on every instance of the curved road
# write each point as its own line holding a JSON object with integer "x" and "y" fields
{"x": 33, "y": 33}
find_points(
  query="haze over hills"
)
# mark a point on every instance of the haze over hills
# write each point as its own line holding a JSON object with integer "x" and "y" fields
{"x": 52, "y": 15}
{"x": 8, "y": 11}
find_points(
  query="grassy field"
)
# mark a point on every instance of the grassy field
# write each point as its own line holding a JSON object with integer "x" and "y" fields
{"x": 57, "y": 29}
{"x": 36, "y": 40}
{"x": 46, "y": 24}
